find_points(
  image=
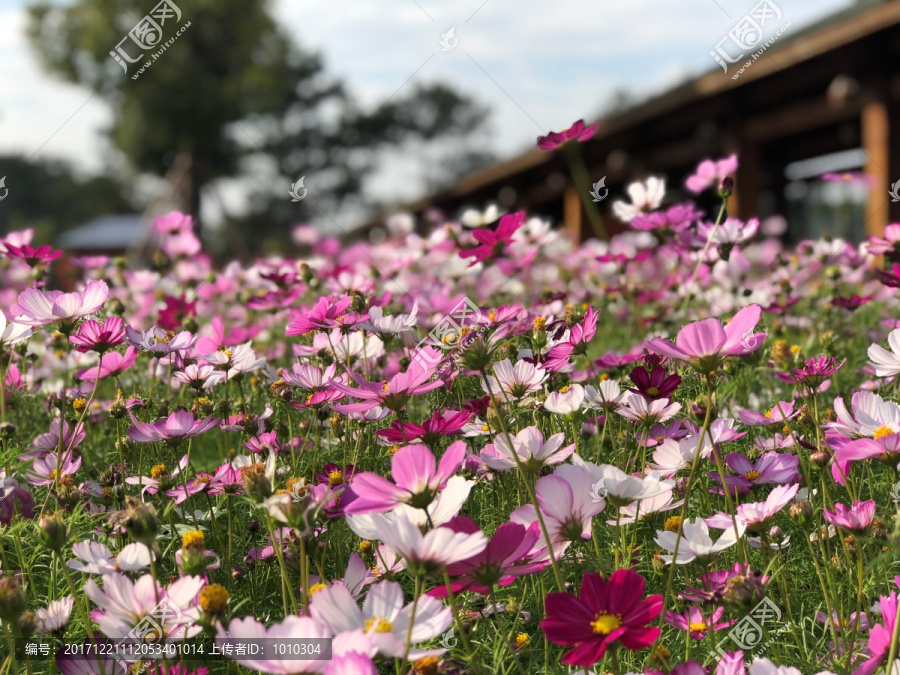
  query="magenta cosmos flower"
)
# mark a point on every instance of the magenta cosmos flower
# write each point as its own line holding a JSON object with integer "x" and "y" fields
{"x": 41, "y": 308}
{"x": 577, "y": 132}
{"x": 704, "y": 344}
{"x": 696, "y": 624}
{"x": 174, "y": 429}
{"x": 42, "y": 255}
{"x": 880, "y": 637}
{"x": 772, "y": 467}
{"x": 855, "y": 519}
{"x": 605, "y": 613}
{"x": 112, "y": 364}
{"x": 46, "y": 470}
{"x": 442, "y": 423}
{"x": 493, "y": 243}
{"x": 418, "y": 479}
{"x": 324, "y": 315}
{"x": 96, "y": 337}
{"x": 814, "y": 373}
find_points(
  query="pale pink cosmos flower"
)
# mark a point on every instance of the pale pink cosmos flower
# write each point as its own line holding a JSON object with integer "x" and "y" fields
{"x": 886, "y": 244}
{"x": 46, "y": 470}
{"x": 55, "y": 616}
{"x": 96, "y": 558}
{"x": 729, "y": 233}
{"x": 514, "y": 381}
{"x": 704, "y": 344}
{"x": 311, "y": 378}
{"x": 384, "y": 618}
{"x": 173, "y": 223}
{"x": 695, "y": 542}
{"x": 417, "y": 478}
{"x": 123, "y": 604}
{"x": 393, "y": 394}
{"x": 425, "y": 553}
{"x": 645, "y": 197}
{"x": 40, "y": 308}
{"x": 174, "y": 429}
{"x": 711, "y": 173}
{"x": 292, "y": 628}
{"x": 886, "y": 363}
{"x": 530, "y": 447}
{"x": 13, "y": 332}
{"x": 620, "y": 487}
{"x": 780, "y": 413}
{"x": 112, "y": 364}
{"x": 647, "y": 412}
{"x": 200, "y": 376}
{"x": 163, "y": 480}
{"x": 634, "y": 511}
{"x": 158, "y": 341}
{"x": 856, "y": 518}
{"x": 566, "y": 401}
{"x": 59, "y": 436}
{"x": 754, "y": 516}
{"x": 606, "y": 396}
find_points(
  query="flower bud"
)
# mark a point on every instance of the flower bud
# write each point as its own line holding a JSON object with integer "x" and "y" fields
{"x": 726, "y": 187}
{"x": 801, "y": 511}
{"x": 12, "y": 600}
{"x": 257, "y": 485}
{"x": 820, "y": 459}
{"x": 238, "y": 572}
{"x": 28, "y": 624}
{"x": 776, "y": 534}
{"x": 139, "y": 520}
{"x": 52, "y": 530}
{"x": 193, "y": 552}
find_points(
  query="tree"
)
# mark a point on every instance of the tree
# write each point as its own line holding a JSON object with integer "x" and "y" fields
{"x": 232, "y": 95}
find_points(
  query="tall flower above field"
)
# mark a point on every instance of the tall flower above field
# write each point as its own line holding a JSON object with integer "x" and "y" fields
{"x": 711, "y": 173}
{"x": 577, "y": 132}
{"x": 394, "y": 394}
{"x": 40, "y": 308}
{"x": 704, "y": 344}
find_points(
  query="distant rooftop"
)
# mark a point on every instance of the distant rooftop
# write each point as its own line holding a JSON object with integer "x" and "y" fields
{"x": 106, "y": 233}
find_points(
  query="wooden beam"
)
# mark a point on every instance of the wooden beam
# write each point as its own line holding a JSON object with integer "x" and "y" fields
{"x": 875, "y": 142}
{"x": 799, "y": 117}
{"x": 572, "y": 213}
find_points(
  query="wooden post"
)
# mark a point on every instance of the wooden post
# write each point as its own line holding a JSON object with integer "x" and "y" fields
{"x": 572, "y": 213}
{"x": 875, "y": 143}
{"x": 744, "y": 203}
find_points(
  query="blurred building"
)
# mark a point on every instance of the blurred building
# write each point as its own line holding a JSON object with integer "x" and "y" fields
{"x": 822, "y": 99}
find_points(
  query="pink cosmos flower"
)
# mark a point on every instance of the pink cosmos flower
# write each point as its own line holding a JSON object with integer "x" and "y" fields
{"x": 851, "y": 177}
{"x": 645, "y": 411}
{"x": 40, "y": 308}
{"x": 530, "y": 447}
{"x": 498, "y": 564}
{"x": 886, "y": 363}
{"x": 494, "y": 243}
{"x": 160, "y": 479}
{"x": 675, "y": 219}
{"x": 442, "y": 423}
{"x": 566, "y": 401}
{"x": 754, "y": 516}
{"x": 92, "y": 336}
{"x": 814, "y": 373}
{"x": 324, "y": 315}
{"x": 605, "y": 613}
{"x": 112, "y": 364}
{"x": 59, "y": 436}
{"x": 292, "y": 628}
{"x": 696, "y": 623}
{"x": 857, "y": 518}
{"x": 311, "y": 378}
{"x": 200, "y": 376}
{"x": 772, "y": 467}
{"x": 780, "y": 413}
{"x": 417, "y": 479}
{"x": 55, "y": 616}
{"x": 705, "y": 343}
{"x": 880, "y": 637}
{"x": 158, "y": 341}
{"x": 42, "y": 255}
{"x": 887, "y": 244}
{"x": 577, "y": 132}
{"x": 173, "y": 223}
{"x": 123, "y": 604}
{"x": 47, "y": 470}
{"x": 711, "y": 173}
{"x": 174, "y": 429}
{"x": 226, "y": 480}
{"x": 393, "y": 394}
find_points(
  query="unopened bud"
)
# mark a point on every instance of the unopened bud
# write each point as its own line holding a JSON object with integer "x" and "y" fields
{"x": 801, "y": 511}
{"x": 12, "y": 600}
{"x": 52, "y": 530}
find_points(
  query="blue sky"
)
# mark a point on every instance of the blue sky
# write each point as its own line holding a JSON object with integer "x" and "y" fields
{"x": 536, "y": 65}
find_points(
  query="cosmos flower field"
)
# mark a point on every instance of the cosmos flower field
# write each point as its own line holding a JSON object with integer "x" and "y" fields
{"x": 460, "y": 450}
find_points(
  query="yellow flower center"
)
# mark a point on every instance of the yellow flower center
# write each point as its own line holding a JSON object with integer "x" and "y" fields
{"x": 883, "y": 431}
{"x": 193, "y": 539}
{"x": 427, "y": 666}
{"x": 79, "y": 404}
{"x": 335, "y": 478}
{"x": 108, "y": 493}
{"x": 769, "y": 414}
{"x": 393, "y": 449}
{"x": 564, "y": 389}
{"x": 673, "y": 523}
{"x": 158, "y": 471}
{"x": 795, "y": 349}
{"x": 201, "y": 479}
{"x": 365, "y": 546}
{"x": 227, "y": 352}
{"x": 522, "y": 639}
{"x": 605, "y": 624}
{"x": 604, "y": 377}
{"x": 698, "y": 627}
{"x": 54, "y": 474}
{"x": 375, "y": 570}
{"x": 653, "y": 391}
{"x": 752, "y": 474}
{"x": 492, "y": 315}
{"x": 379, "y": 625}
{"x": 384, "y": 387}
{"x": 540, "y": 323}
{"x": 213, "y": 598}
{"x": 316, "y": 588}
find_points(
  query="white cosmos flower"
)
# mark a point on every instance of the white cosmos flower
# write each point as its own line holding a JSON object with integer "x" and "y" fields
{"x": 515, "y": 381}
{"x": 605, "y": 397}
{"x": 636, "y": 407}
{"x": 13, "y": 332}
{"x": 695, "y": 541}
{"x": 622, "y": 487}
{"x": 887, "y": 363}
{"x": 530, "y": 447}
{"x": 565, "y": 401}
{"x": 96, "y": 558}
{"x": 644, "y": 197}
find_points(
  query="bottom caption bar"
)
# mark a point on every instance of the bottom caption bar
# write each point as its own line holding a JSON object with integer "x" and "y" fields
{"x": 195, "y": 649}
